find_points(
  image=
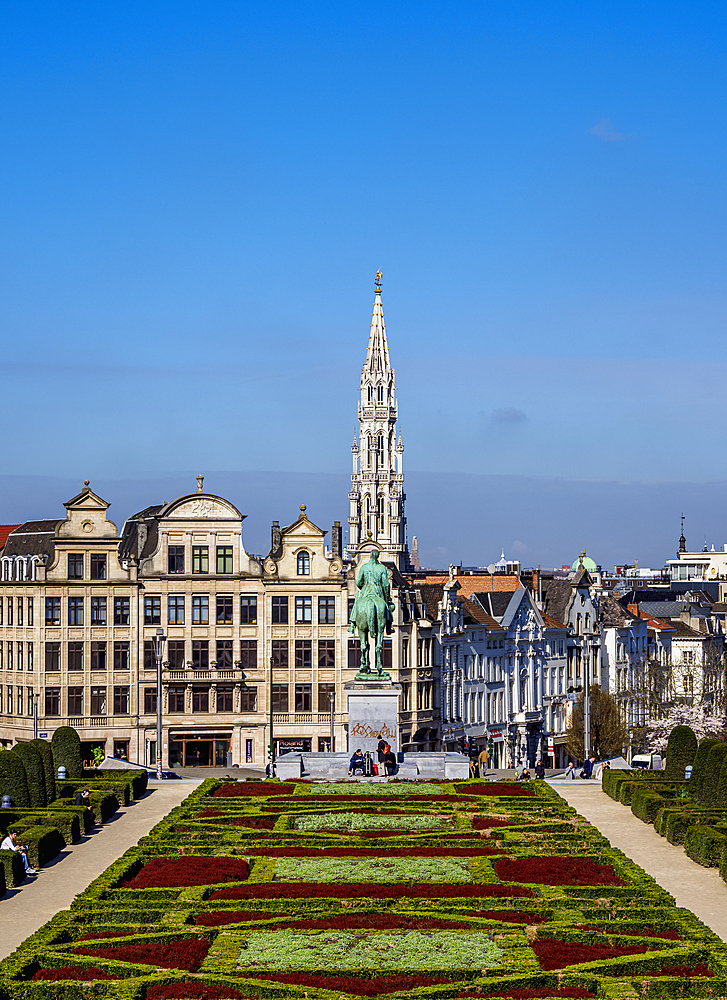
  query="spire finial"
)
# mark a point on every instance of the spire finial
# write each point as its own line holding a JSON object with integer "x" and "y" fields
{"x": 378, "y": 280}
{"x": 200, "y": 480}
{"x": 302, "y": 508}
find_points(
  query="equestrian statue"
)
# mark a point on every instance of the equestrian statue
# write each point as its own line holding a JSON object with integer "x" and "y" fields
{"x": 371, "y": 615}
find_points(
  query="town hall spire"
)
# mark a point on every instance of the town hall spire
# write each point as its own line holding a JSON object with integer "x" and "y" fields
{"x": 377, "y": 482}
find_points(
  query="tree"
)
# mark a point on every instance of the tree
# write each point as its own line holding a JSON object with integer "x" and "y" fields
{"x": 680, "y": 751}
{"x": 608, "y": 731}
{"x": 699, "y": 721}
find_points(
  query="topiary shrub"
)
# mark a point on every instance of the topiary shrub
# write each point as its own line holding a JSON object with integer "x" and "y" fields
{"x": 34, "y": 773}
{"x": 699, "y": 765}
{"x": 13, "y": 867}
{"x": 12, "y": 779}
{"x": 66, "y": 746}
{"x": 722, "y": 786}
{"x": 710, "y": 780}
{"x": 705, "y": 845}
{"x": 646, "y": 803}
{"x": 46, "y": 755}
{"x": 680, "y": 751}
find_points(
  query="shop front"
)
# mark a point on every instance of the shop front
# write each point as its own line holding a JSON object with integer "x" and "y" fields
{"x": 199, "y": 749}
{"x": 496, "y": 746}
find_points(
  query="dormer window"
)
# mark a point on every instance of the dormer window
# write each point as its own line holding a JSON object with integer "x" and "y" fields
{"x": 303, "y": 564}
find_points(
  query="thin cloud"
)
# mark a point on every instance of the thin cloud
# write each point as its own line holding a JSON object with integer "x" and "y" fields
{"x": 508, "y": 415}
{"x": 605, "y": 131}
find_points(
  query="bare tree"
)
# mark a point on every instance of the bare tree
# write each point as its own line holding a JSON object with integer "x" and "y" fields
{"x": 608, "y": 731}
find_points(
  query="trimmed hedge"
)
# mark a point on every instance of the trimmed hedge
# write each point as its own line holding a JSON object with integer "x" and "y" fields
{"x": 66, "y": 746}
{"x": 699, "y": 765}
{"x": 681, "y": 750}
{"x": 46, "y": 754}
{"x": 646, "y": 803}
{"x": 12, "y": 867}
{"x": 12, "y": 779}
{"x": 710, "y": 781}
{"x": 32, "y": 761}
{"x": 705, "y": 845}
{"x": 44, "y": 844}
{"x": 722, "y": 786}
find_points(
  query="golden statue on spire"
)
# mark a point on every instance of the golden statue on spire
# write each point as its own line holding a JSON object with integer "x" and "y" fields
{"x": 379, "y": 277}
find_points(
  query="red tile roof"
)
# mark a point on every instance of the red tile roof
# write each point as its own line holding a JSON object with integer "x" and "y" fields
{"x": 5, "y": 530}
{"x": 473, "y": 583}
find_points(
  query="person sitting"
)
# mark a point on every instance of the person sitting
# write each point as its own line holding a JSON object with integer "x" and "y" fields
{"x": 83, "y": 799}
{"x": 9, "y": 844}
{"x": 570, "y": 772}
{"x": 539, "y": 770}
{"x": 525, "y": 775}
{"x": 356, "y": 763}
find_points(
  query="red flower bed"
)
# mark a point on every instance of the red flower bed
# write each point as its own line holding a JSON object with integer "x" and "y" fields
{"x": 486, "y": 822}
{"x": 510, "y": 916}
{"x": 553, "y": 954}
{"x": 344, "y": 921}
{"x": 529, "y": 994}
{"x": 683, "y": 971}
{"x": 185, "y": 953}
{"x": 495, "y": 788}
{"x": 105, "y": 934}
{"x": 556, "y": 870}
{"x": 382, "y": 852}
{"x": 250, "y": 788}
{"x": 370, "y": 986}
{"x": 366, "y": 890}
{"x": 251, "y": 822}
{"x": 368, "y": 799}
{"x": 79, "y": 972}
{"x": 163, "y": 873}
{"x": 192, "y": 989}
{"x": 218, "y": 917}
{"x": 641, "y": 932}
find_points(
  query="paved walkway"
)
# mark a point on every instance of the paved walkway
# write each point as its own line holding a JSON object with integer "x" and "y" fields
{"x": 699, "y": 889}
{"x": 25, "y": 909}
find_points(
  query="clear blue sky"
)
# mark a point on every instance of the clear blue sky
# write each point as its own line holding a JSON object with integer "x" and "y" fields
{"x": 195, "y": 199}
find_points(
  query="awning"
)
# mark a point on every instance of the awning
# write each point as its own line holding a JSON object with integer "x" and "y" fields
{"x": 424, "y": 734}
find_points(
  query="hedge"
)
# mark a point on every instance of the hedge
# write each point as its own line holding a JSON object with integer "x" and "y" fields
{"x": 705, "y": 845}
{"x": 710, "y": 780}
{"x": 12, "y": 779}
{"x": 646, "y": 803}
{"x": 66, "y": 746}
{"x": 32, "y": 761}
{"x": 722, "y": 786}
{"x": 44, "y": 844}
{"x": 681, "y": 750}
{"x": 46, "y": 753}
{"x": 699, "y": 765}
{"x": 13, "y": 867}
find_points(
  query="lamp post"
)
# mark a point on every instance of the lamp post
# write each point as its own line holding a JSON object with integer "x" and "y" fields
{"x": 36, "y": 696}
{"x": 158, "y": 653}
{"x": 271, "y": 751}
{"x": 332, "y": 699}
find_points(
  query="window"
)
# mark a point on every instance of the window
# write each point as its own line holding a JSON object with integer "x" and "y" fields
{"x": 52, "y": 656}
{"x": 98, "y": 701}
{"x": 121, "y": 611}
{"x": 20, "y": 656}
{"x": 280, "y": 611}
{"x": 20, "y": 701}
{"x": 224, "y": 697}
{"x": 10, "y": 656}
{"x": 303, "y": 564}
{"x": 10, "y": 611}
{"x": 121, "y": 700}
{"x": 224, "y": 654}
{"x": 75, "y": 656}
{"x": 175, "y": 559}
{"x": 149, "y": 657}
{"x": 98, "y": 610}
{"x": 200, "y": 654}
{"x": 98, "y": 659}
{"x": 280, "y": 697}
{"x": 302, "y": 697}
{"x": 75, "y": 701}
{"x": 224, "y": 609}
{"x": 280, "y": 654}
{"x": 200, "y": 559}
{"x": 405, "y": 696}
{"x": 150, "y": 701}
{"x": 248, "y": 699}
{"x": 1, "y": 615}
{"x": 10, "y": 698}
{"x": 351, "y": 602}
{"x": 200, "y": 609}
{"x": 75, "y": 566}
{"x": 248, "y": 654}
{"x": 354, "y": 654}
{"x": 386, "y": 654}
{"x": 175, "y": 654}
{"x": 121, "y": 656}
{"x": 75, "y": 611}
{"x": 52, "y": 701}
{"x": 248, "y": 609}
{"x": 200, "y": 699}
{"x": 303, "y": 654}
{"x": 175, "y": 609}
{"x": 224, "y": 558}
{"x": 303, "y": 611}
{"x": 326, "y": 610}
{"x": 326, "y": 653}
{"x": 324, "y": 700}
{"x": 152, "y": 609}
{"x": 30, "y": 611}
{"x": 20, "y": 612}
{"x": 30, "y": 657}
{"x": 176, "y": 699}
{"x": 98, "y": 567}
{"x": 405, "y": 652}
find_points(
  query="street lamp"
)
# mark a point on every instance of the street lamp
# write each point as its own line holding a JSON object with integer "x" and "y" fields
{"x": 332, "y": 699}
{"x": 271, "y": 751}
{"x": 36, "y": 696}
{"x": 158, "y": 653}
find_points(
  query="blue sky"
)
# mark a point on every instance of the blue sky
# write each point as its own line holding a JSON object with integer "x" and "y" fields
{"x": 195, "y": 199}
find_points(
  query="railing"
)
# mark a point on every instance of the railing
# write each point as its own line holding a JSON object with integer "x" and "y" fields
{"x": 206, "y": 674}
{"x": 305, "y": 718}
{"x": 99, "y": 720}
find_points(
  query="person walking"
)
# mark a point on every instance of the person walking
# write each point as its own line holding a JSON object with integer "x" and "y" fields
{"x": 10, "y": 844}
{"x": 539, "y": 770}
{"x": 484, "y": 759}
{"x": 570, "y": 772}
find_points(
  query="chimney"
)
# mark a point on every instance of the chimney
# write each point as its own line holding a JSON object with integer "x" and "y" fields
{"x": 536, "y": 584}
{"x": 336, "y": 540}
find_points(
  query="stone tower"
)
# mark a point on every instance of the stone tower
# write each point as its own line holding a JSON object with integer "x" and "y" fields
{"x": 377, "y": 482}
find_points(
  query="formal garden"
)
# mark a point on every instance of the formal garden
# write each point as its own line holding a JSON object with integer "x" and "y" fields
{"x": 419, "y": 890}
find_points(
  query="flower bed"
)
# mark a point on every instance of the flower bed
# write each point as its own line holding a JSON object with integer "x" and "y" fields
{"x": 509, "y": 916}
{"x": 366, "y": 890}
{"x": 244, "y": 788}
{"x": 354, "y": 822}
{"x": 554, "y": 954}
{"x": 84, "y": 973}
{"x": 185, "y": 953}
{"x": 190, "y": 870}
{"x": 192, "y": 989}
{"x": 343, "y": 922}
{"x": 670, "y": 935}
{"x": 683, "y": 971}
{"x": 556, "y": 870}
{"x": 381, "y": 852}
{"x": 574, "y": 992}
{"x": 370, "y": 986}
{"x": 487, "y": 822}
{"x": 219, "y": 917}
{"x": 372, "y": 869}
{"x": 496, "y": 788}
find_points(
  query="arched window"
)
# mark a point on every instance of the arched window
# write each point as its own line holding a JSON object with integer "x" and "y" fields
{"x": 578, "y": 624}
{"x": 371, "y": 394}
{"x": 303, "y": 564}
{"x": 369, "y": 526}
{"x": 380, "y": 512}
{"x": 381, "y": 393}
{"x": 381, "y": 449}
{"x": 588, "y": 622}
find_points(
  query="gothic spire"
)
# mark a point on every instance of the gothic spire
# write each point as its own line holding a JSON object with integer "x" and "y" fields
{"x": 377, "y": 354}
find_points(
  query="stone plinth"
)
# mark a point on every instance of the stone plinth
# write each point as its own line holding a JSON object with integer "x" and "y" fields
{"x": 373, "y": 709}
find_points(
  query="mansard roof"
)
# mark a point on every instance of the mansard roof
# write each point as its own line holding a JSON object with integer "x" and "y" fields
{"x": 476, "y": 615}
{"x": 5, "y": 530}
{"x": 33, "y": 538}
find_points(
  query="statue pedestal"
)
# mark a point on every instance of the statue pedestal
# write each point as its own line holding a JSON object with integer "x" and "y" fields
{"x": 373, "y": 708}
